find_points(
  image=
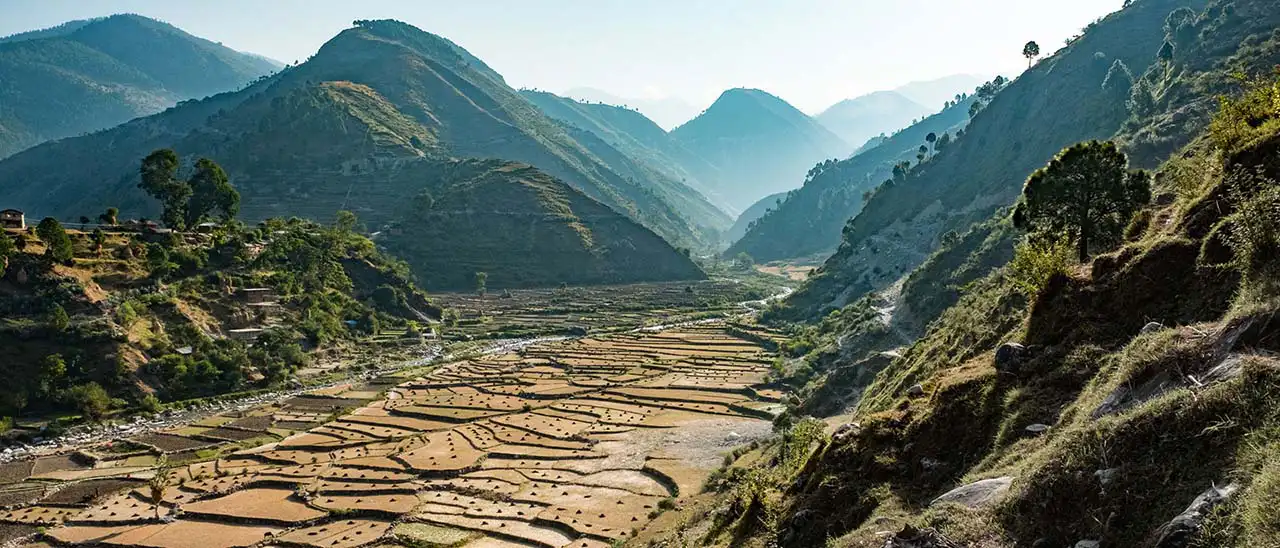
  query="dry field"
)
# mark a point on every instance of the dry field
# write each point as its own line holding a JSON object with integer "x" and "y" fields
{"x": 575, "y": 443}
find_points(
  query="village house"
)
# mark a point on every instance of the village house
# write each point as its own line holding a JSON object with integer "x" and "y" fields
{"x": 258, "y": 295}
{"x": 13, "y": 218}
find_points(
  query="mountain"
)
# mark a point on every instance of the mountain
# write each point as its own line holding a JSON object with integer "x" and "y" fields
{"x": 860, "y": 119}
{"x": 810, "y": 219}
{"x": 933, "y": 93}
{"x": 751, "y": 214}
{"x": 667, "y": 112}
{"x": 760, "y": 143}
{"x": 83, "y": 76}
{"x": 371, "y": 121}
{"x": 631, "y": 133}
{"x": 1059, "y": 102}
{"x": 562, "y": 236}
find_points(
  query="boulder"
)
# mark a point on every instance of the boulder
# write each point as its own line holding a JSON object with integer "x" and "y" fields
{"x": 976, "y": 494}
{"x": 915, "y": 391}
{"x": 1178, "y": 532}
{"x": 1151, "y": 327}
{"x": 1105, "y": 476}
{"x": 1088, "y": 544}
{"x": 1009, "y": 356}
{"x": 1037, "y": 429}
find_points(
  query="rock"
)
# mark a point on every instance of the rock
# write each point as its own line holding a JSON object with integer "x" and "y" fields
{"x": 976, "y": 494}
{"x": 915, "y": 391}
{"x": 1037, "y": 428}
{"x": 1088, "y": 544}
{"x": 929, "y": 464}
{"x": 1009, "y": 356}
{"x": 911, "y": 537}
{"x": 733, "y": 436}
{"x": 1178, "y": 532}
{"x": 1105, "y": 476}
{"x": 1151, "y": 327}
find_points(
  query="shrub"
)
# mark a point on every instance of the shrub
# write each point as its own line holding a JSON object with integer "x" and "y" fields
{"x": 1035, "y": 262}
{"x": 91, "y": 400}
{"x": 1254, "y": 115}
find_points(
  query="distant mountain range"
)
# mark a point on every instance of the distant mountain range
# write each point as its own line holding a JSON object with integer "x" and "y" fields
{"x": 933, "y": 93}
{"x": 761, "y": 144}
{"x": 87, "y": 75}
{"x": 667, "y": 112}
{"x": 858, "y": 120}
{"x": 372, "y": 123}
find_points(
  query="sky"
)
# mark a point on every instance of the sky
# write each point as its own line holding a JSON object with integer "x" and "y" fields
{"x": 813, "y": 53}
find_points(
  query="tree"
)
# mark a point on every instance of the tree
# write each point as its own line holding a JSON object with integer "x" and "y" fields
{"x": 211, "y": 192}
{"x": 99, "y": 239}
{"x": 58, "y": 318}
{"x": 1086, "y": 193}
{"x": 83, "y": 221}
{"x": 943, "y": 142}
{"x": 91, "y": 400}
{"x": 931, "y": 138}
{"x": 158, "y": 484}
{"x": 1031, "y": 51}
{"x": 481, "y": 279}
{"x": 159, "y": 174}
{"x": 744, "y": 261}
{"x": 1166, "y": 52}
{"x": 109, "y": 217}
{"x": 345, "y": 221}
{"x": 58, "y": 244}
{"x": 53, "y": 371}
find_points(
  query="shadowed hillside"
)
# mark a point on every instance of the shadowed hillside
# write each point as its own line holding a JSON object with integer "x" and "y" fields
{"x": 87, "y": 75}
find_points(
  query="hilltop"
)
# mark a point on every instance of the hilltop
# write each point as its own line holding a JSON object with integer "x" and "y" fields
{"x": 83, "y": 76}
{"x": 668, "y": 112}
{"x": 416, "y": 96}
{"x": 760, "y": 143}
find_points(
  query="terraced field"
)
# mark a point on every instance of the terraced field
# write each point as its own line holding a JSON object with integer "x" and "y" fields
{"x": 574, "y": 443}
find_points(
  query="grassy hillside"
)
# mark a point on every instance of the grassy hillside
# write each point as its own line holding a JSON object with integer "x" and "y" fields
{"x": 152, "y": 318}
{"x": 811, "y": 218}
{"x": 1145, "y": 380}
{"x": 83, "y": 76}
{"x": 861, "y": 118}
{"x": 524, "y": 229}
{"x": 760, "y": 143}
{"x": 1060, "y": 101}
{"x": 294, "y": 145}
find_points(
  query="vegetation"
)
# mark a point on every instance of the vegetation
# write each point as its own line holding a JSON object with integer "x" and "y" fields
{"x": 1086, "y": 193}
{"x": 188, "y": 203}
{"x": 84, "y": 76}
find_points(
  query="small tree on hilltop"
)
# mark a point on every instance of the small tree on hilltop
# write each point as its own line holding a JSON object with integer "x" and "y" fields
{"x": 159, "y": 173}
{"x": 109, "y": 217}
{"x": 1031, "y": 51}
{"x": 186, "y": 203}
{"x": 931, "y": 138}
{"x": 55, "y": 237}
{"x": 1086, "y": 193}
{"x": 211, "y": 194}
{"x": 482, "y": 279}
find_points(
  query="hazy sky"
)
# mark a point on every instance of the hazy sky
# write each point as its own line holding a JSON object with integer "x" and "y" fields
{"x": 810, "y": 52}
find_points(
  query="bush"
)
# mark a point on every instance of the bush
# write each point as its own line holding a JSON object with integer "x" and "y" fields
{"x": 1034, "y": 263}
{"x": 91, "y": 400}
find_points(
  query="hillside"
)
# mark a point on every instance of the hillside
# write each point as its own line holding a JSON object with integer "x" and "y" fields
{"x": 751, "y": 214}
{"x": 861, "y": 118}
{"x": 84, "y": 76}
{"x": 152, "y": 318}
{"x": 638, "y": 137}
{"x": 525, "y": 229}
{"x": 334, "y": 132}
{"x": 1060, "y": 101}
{"x": 760, "y": 143}
{"x": 810, "y": 219}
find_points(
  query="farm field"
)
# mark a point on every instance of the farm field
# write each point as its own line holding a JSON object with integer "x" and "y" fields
{"x": 573, "y": 310}
{"x": 567, "y": 443}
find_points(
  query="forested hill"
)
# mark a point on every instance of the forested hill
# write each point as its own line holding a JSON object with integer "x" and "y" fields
{"x": 1060, "y": 101}
{"x": 761, "y": 144}
{"x": 335, "y": 130}
{"x": 83, "y": 76}
{"x": 810, "y": 218}
{"x": 631, "y": 133}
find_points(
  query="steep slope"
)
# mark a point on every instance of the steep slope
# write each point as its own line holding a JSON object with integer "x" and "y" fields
{"x": 760, "y": 143}
{"x": 859, "y": 119}
{"x": 1058, "y": 102}
{"x": 434, "y": 98}
{"x": 83, "y": 76}
{"x": 751, "y": 214}
{"x": 525, "y": 229}
{"x": 810, "y": 219}
{"x": 668, "y": 112}
{"x": 680, "y": 171}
